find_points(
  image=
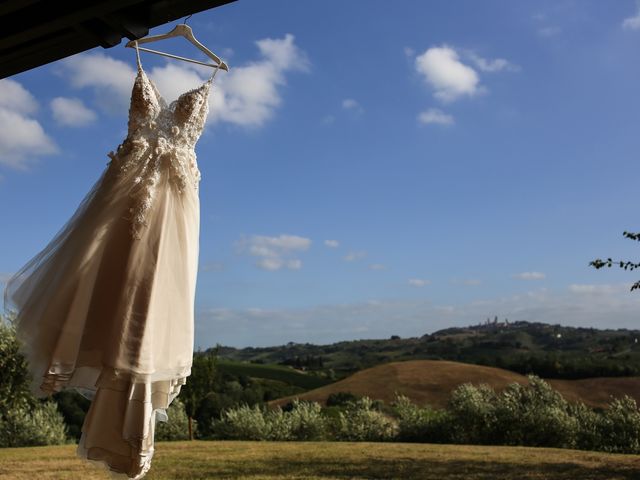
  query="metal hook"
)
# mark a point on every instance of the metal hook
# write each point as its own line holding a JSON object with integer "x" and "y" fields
{"x": 185, "y": 20}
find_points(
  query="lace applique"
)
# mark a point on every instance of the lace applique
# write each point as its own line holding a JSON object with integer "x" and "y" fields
{"x": 161, "y": 141}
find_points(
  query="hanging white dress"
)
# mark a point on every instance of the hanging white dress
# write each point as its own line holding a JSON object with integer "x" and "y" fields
{"x": 107, "y": 307}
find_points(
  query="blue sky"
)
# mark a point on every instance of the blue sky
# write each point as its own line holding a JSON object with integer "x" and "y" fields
{"x": 369, "y": 168}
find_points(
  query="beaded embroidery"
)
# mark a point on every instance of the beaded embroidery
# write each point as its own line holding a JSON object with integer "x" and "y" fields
{"x": 160, "y": 141}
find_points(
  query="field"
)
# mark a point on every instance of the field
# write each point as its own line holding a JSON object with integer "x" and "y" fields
{"x": 279, "y": 373}
{"x": 199, "y": 460}
{"x": 431, "y": 381}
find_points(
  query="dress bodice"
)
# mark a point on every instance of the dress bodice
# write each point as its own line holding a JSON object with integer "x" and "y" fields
{"x": 180, "y": 123}
{"x": 161, "y": 138}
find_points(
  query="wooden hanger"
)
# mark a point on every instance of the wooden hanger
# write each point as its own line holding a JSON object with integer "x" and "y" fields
{"x": 180, "y": 30}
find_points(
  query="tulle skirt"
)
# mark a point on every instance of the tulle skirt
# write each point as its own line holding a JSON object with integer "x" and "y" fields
{"x": 112, "y": 315}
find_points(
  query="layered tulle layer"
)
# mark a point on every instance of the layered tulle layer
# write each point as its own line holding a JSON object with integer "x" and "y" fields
{"x": 119, "y": 428}
{"x": 96, "y": 296}
{"x": 111, "y": 315}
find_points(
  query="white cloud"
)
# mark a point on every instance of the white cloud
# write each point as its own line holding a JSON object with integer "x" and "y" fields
{"x": 377, "y": 266}
{"x": 274, "y": 252}
{"x": 617, "y": 308}
{"x": 174, "y": 79}
{"x": 332, "y": 243}
{"x": 599, "y": 289}
{"x": 354, "y": 255}
{"x": 111, "y": 79}
{"x": 549, "y": 31}
{"x": 72, "y": 112}
{"x": 530, "y": 276}
{"x": 492, "y": 65}
{"x": 418, "y": 282}
{"x": 435, "y": 116}
{"x": 277, "y": 263}
{"x": 295, "y": 264}
{"x": 352, "y": 105}
{"x": 14, "y": 97}
{"x": 247, "y": 95}
{"x": 633, "y": 23}
{"x": 270, "y": 264}
{"x": 446, "y": 74}
{"x": 319, "y": 324}
{"x": 22, "y": 138}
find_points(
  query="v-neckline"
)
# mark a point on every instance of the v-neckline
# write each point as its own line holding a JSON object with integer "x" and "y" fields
{"x": 159, "y": 97}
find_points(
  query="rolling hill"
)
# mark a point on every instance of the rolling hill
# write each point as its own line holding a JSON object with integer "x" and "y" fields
{"x": 431, "y": 381}
{"x": 549, "y": 351}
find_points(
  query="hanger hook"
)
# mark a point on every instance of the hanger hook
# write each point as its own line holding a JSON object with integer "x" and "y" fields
{"x": 185, "y": 20}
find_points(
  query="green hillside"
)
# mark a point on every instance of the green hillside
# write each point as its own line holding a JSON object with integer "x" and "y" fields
{"x": 550, "y": 351}
{"x": 278, "y": 373}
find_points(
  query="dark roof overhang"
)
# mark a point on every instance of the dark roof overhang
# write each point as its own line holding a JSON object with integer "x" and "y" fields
{"x": 37, "y": 32}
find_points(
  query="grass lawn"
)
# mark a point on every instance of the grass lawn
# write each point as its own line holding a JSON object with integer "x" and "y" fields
{"x": 331, "y": 460}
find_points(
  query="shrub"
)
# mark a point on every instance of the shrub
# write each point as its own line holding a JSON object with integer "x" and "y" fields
{"x": 534, "y": 415}
{"x": 241, "y": 423}
{"x": 341, "y": 398}
{"x": 473, "y": 414}
{"x": 361, "y": 422}
{"x": 303, "y": 422}
{"x": 420, "y": 424}
{"x": 15, "y": 378}
{"x": 620, "y": 426}
{"x": 278, "y": 425}
{"x": 28, "y": 427}
{"x": 177, "y": 425}
{"x": 307, "y": 421}
{"x": 587, "y": 435}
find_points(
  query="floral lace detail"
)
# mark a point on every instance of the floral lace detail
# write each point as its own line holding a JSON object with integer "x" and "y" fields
{"x": 161, "y": 140}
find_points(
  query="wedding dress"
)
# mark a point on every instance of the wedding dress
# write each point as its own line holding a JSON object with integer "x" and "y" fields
{"x": 107, "y": 307}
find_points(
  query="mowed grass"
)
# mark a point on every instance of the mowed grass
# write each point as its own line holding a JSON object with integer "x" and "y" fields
{"x": 199, "y": 459}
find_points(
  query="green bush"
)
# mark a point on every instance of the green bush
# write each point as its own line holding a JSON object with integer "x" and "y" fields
{"x": 304, "y": 422}
{"x": 23, "y": 426}
{"x": 588, "y": 434}
{"x": 341, "y": 398}
{"x": 241, "y": 423}
{"x": 535, "y": 415}
{"x": 473, "y": 414}
{"x": 528, "y": 415}
{"x": 420, "y": 424}
{"x": 279, "y": 426}
{"x": 362, "y": 422}
{"x": 15, "y": 378}
{"x": 620, "y": 426}
{"x": 307, "y": 421}
{"x": 177, "y": 425}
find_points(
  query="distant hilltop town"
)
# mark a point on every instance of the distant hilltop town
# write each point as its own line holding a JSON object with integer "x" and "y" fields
{"x": 496, "y": 323}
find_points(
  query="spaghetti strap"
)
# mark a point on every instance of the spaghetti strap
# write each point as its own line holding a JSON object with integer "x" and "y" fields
{"x": 215, "y": 70}
{"x": 138, "y": 56}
